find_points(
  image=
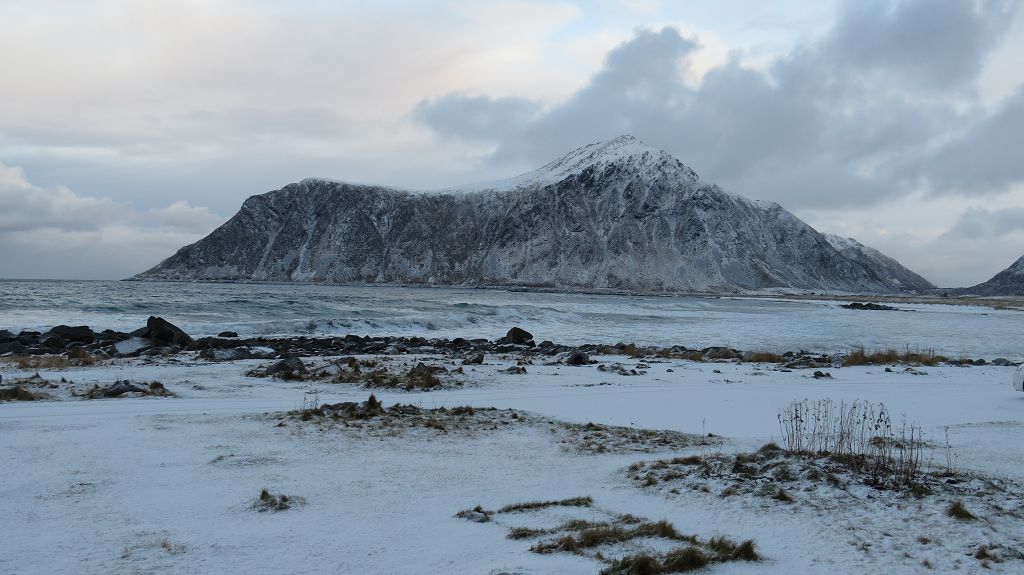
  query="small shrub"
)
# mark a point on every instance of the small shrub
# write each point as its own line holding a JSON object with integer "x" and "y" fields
{"x": 782, "y": 496}
{"x": 957, "y": 511}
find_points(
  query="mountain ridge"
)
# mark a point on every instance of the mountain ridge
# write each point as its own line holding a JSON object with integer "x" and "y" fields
{"x": 1009, "y": 282}
{"x": 612, "y": 215}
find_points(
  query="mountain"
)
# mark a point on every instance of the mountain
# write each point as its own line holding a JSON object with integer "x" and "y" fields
{"x": 883, "y": 265}
{"x": 616, "y": 214}
{"x": 1009, "y": 282}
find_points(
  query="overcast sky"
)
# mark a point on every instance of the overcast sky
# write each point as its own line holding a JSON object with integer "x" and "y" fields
{"x": 128, "y": 129}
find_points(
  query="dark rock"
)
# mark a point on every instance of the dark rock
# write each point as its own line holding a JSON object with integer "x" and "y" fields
{"x": 78, "y": 352}
{"x": 164, "y": 332}
{"x": 1001, "y": 361}
{"x": 54, "y": 342}
{"x": 577, "y": 357}
{"x": 517, "y": 336}
{"x": 980, "y": 361}
{"x": 228, "y": 334}
{"x": 719, "y": 353}
{"x": 869, "y": 306}
{"x": 82, "y": 333}
{"x": 475, "y": 359}
{"x": 15, "y": 347}
{"x": 822, "y": 375}
{"x": 119, "y": 388}
{"x": 28, "y": 338}
{"x": 222, "y": 354}
{"x": 6, "y": 336}
{"x": 287, "y": 368}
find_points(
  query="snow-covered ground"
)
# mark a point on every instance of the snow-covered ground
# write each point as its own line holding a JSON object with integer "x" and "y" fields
{"x": 167, "y": 484}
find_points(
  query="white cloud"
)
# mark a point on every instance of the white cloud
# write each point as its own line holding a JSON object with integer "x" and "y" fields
{"x": 56, "y": 233}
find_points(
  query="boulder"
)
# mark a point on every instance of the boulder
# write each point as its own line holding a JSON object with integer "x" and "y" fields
{"x": 82, "y": 333}
{"x": 119, "y": 388}
{"x": 517, "y": 336}
{"x": 577, "y": 357}
{"x": 14, "y": 347}
{"x": 163, "y": 332}
{"x": 54, "y": 343}
{"x": 288, "y": 368}
{"x": 228, "y": 334}
{"x": 1001, "y": 361}
{"x": 6, "y": 336}
{"x": 475, "y": 359}
{"x": 719, "y": 353}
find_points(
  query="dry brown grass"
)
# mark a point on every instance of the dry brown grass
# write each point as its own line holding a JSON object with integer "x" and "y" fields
{"x": 860, "y": 356}
{"x": 83, "y": 359}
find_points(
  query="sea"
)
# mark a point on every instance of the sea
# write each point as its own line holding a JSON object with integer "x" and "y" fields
{"x": 746, "y": 323}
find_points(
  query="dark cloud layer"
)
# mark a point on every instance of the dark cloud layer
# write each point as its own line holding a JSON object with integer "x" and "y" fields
{"x": 860, "y": 115}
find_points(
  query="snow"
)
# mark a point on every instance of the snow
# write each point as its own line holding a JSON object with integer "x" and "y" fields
{"x": 165, "y": 485}
{"x": 625, "y": 148}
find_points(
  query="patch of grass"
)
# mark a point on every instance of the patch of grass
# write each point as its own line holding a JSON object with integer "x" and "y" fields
{"x": 983, "y": 553}
{"x": 859, "y": 356}
{"x": 267, "y": 501}
{"x": 725, "y": 549}
{"x": 171, "y": 547}
{"x": 18, "y": 393}
{"x": 525, "y": 533}
{"x": 640, "y": 564}
{"x": 957, "y": 511}
{"x": 477, "y": 514}
{"x": 532, "y": 505}
{"x": 82, "y": 359}
{"x": 603, "y": 534}
{"x": 782, "y": 496}
{"x": 765, "y": 357}
{"x": 686, "y": 559}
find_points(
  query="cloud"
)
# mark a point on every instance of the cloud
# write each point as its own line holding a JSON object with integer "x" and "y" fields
{"x": 840, "y": 120}
{"x": 985, "y": 159}
{"x": 56, "y": 233}
{"x": 979, "y": 223}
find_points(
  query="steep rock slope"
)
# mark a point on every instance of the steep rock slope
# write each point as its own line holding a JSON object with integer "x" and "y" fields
{"x": 885, "y": 266}
{"x": 616, "y": 214}
{"x": 1009, "y": 282}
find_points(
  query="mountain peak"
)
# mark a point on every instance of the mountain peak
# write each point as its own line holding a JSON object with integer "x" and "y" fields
{"x": 626, "y": 151}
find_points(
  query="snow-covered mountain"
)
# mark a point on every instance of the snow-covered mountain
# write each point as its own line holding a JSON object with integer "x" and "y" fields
{"x": 885, "y": 266}
{"x": 1005, "y": 283}
{"x": 616, "y": 214}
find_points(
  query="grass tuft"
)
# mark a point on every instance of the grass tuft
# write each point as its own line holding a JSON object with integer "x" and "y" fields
{"x": 957, "y": 511}
{"x": 531, "y": 505}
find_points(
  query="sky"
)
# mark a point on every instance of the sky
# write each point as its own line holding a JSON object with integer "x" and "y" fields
{"x": 129, "y": 129}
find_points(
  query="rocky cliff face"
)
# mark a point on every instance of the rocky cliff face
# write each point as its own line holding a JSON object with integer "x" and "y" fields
{"x": 893, "y": 272}
{"x": 1009, "y": 282}
{"x": 617, "y": 214}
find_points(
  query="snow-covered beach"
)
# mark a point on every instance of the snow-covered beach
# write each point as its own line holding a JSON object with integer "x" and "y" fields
{"x": 172, "y": 484}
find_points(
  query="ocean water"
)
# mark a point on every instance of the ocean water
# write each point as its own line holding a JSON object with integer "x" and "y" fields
{"x": 744, "y": 323}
